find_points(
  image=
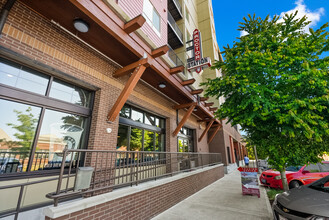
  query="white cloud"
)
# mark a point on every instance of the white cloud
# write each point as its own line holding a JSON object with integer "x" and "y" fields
{"x": 313, "y": 16}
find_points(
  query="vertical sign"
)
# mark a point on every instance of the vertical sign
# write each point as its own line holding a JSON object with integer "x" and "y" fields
{"x": 198, "y": 62}
{"x": 249, "y": 181}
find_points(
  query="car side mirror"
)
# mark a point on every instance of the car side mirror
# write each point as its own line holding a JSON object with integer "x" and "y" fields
{"x": 305, "y": 171}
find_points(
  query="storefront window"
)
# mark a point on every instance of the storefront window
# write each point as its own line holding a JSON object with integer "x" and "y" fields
{"x": 185, "y": 140}
{"x": 18, "y": 124}
{"x": 35, "y": 129}
{"x": 70, "y": 93}
{"x": 22, "y": 78}
{"x": 140, "y": 131}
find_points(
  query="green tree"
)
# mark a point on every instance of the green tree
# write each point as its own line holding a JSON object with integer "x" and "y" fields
{"x": 275, "y": 85}
{"x": 25, "y": 132}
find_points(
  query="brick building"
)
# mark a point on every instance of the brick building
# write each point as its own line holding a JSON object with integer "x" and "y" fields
{"x": 106, "y": 76}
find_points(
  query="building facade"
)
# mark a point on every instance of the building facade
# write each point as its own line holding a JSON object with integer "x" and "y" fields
{"x": 99, "y": 76}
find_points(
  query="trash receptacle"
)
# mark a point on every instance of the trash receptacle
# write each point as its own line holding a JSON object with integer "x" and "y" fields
{"x": 83, "y": 178}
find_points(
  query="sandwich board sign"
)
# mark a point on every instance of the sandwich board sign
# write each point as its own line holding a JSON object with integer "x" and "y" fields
{"x": 249, "y": 181}
{"x": 197, "y": 62}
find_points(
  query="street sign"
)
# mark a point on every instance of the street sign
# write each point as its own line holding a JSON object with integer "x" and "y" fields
{"x": 249, "y": 181}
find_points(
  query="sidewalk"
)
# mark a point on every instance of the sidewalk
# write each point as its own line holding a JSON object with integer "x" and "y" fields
{"x": 221, "y": 200}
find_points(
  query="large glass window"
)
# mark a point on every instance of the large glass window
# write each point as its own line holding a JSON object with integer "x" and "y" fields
{"x": 185, "y": 140}
{"x": 152, "y": 16}
{"x": 36, "y": 127}
{"x": 140, "y": 131}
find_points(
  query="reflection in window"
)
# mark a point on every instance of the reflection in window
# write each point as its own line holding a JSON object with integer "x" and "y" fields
{"x": 22, "y": 78}
{"x": 125, "y": 112}
{"x": 70, "y": 93}
{"x": 148, "y": 141}
{"x": 159, "y": 142}
{"x": 149, "y": 120}
{"x": 122, "y": 144}
{"x": 136, "y": 137}
{"x": 137, "y": 116}
{"x": 18, "y": 124}
{"x": 58, "y": 130}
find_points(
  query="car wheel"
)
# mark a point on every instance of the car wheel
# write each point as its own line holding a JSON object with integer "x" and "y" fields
{"x": 294, "y": 184}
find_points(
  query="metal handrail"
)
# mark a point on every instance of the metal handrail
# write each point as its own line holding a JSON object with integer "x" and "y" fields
{"x": 20, "y": 195}
{"x": 175, "y": 27}
{"x": 114, "y": 169}
{"x": 174, "y": 57}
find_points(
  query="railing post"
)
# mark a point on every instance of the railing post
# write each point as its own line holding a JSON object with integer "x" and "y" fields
{"x": 18, "y": 207}
{"x": 59, "y": 185}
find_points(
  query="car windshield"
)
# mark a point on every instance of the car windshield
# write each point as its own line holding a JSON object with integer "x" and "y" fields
{"x": 293, "y": 168}
{"x": 321, "y": 185}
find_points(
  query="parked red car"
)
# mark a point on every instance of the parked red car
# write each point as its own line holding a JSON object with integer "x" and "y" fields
{"x": 296, "y": 176}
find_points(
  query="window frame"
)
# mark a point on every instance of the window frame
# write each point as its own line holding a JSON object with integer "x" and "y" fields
{"x": 44, "y": 102}
{"x": 149, "y": 20}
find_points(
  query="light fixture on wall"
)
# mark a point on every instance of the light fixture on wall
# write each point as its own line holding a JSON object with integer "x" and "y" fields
{"x": 81, "y": 25}
{"x": 162, "y": 85}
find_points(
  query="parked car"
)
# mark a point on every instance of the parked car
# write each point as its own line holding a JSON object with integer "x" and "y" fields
{"x": 304, "y": 202}
{"x": 10, "y": 165}
{"x": 296, "y": 176}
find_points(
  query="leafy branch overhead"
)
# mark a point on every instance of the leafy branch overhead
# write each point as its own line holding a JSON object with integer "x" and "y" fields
{"x": 275, "y": 84}
{"x": 276, "y": 74}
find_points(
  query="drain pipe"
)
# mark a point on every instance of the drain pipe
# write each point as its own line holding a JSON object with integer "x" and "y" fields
{"x": 4, "y": 13}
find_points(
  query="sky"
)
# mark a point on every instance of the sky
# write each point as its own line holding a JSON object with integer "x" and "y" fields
{"x": 228, "y": 14}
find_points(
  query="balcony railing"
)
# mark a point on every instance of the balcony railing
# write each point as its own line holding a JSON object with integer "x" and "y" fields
{"x": 175, "y": 9}
{"x": 175, "y": 35}
{"x": 112, "y": 169}
{"x": 174, "y": 58}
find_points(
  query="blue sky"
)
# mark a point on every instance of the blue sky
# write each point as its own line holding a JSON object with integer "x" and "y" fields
{"x": 228, "y": 14}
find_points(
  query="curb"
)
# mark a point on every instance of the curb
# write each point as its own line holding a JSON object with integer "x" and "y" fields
{"x": 268, "y": 205}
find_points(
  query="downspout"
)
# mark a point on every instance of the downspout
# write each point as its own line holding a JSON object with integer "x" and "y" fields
{"x": 4, "y": 13}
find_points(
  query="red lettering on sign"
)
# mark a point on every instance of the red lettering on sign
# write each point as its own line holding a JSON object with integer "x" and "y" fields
{"x": 196, "y": 41}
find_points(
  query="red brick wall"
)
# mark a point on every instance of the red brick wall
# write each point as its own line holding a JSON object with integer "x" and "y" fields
{"x": 149, "y": 203}
{"x": 36, "y": 38}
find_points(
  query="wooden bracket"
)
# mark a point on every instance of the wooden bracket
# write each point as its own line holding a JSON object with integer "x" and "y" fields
{"x": 187, "y": 82}
{"x": 130, "y": 85}
{"x": 204, "y": 120}
{"x": 184, "y": 119}
{"x": 197, "y": 91}
{"x": 160, "y": 51}
{"x": 184, "y": 105}
{"x": 208, "y": 104}
{"x": 202, "y": 99}
{"x": 213, "y": 109}
{"x": 207, "y": 129}
{"x": 177, "y": 69}
{"x": 134, "y": 24}
{"x": 127, "y": 69}
{"x": 214, "y": 134}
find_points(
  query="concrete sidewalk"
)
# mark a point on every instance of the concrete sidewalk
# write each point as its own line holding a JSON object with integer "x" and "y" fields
{"x": 221, "y": 200}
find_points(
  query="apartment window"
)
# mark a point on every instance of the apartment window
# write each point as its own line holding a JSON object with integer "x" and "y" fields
{"x": 140, "y": 130}
{"x": 152, "y": 16}
{"x": 40, "y": 115}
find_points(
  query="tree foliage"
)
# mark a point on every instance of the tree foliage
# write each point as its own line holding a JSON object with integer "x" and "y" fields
{"x": 275, "y": 84}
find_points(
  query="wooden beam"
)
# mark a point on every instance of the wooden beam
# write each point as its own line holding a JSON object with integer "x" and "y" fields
{"x": 187, "y": 82}
{"x": 184, "y": 119}
{"x": 127, "y": 69}
{"x": 208, "y": 104}
{"x": 204, "y": 120}
{"x": 207, "y": 129}
{"x": 130, "y": 85}
{"x": 216, "y": 125}
{"x": 202, "y": 99}
{"x": 197, "y": 91}
{"x": 214, "y": 134}
{"x": 213, "y": 109}
{"x": 134, "y": 24}
{"x": 177, "y": 69}
{"x": 186, "y": 105}
{"x": 160, "y": 51}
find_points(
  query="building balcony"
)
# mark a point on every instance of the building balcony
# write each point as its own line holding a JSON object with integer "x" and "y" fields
{"x": 174, "y": 58}
{"x": 175, "y": 8}
{"x": 175, "y": 35}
